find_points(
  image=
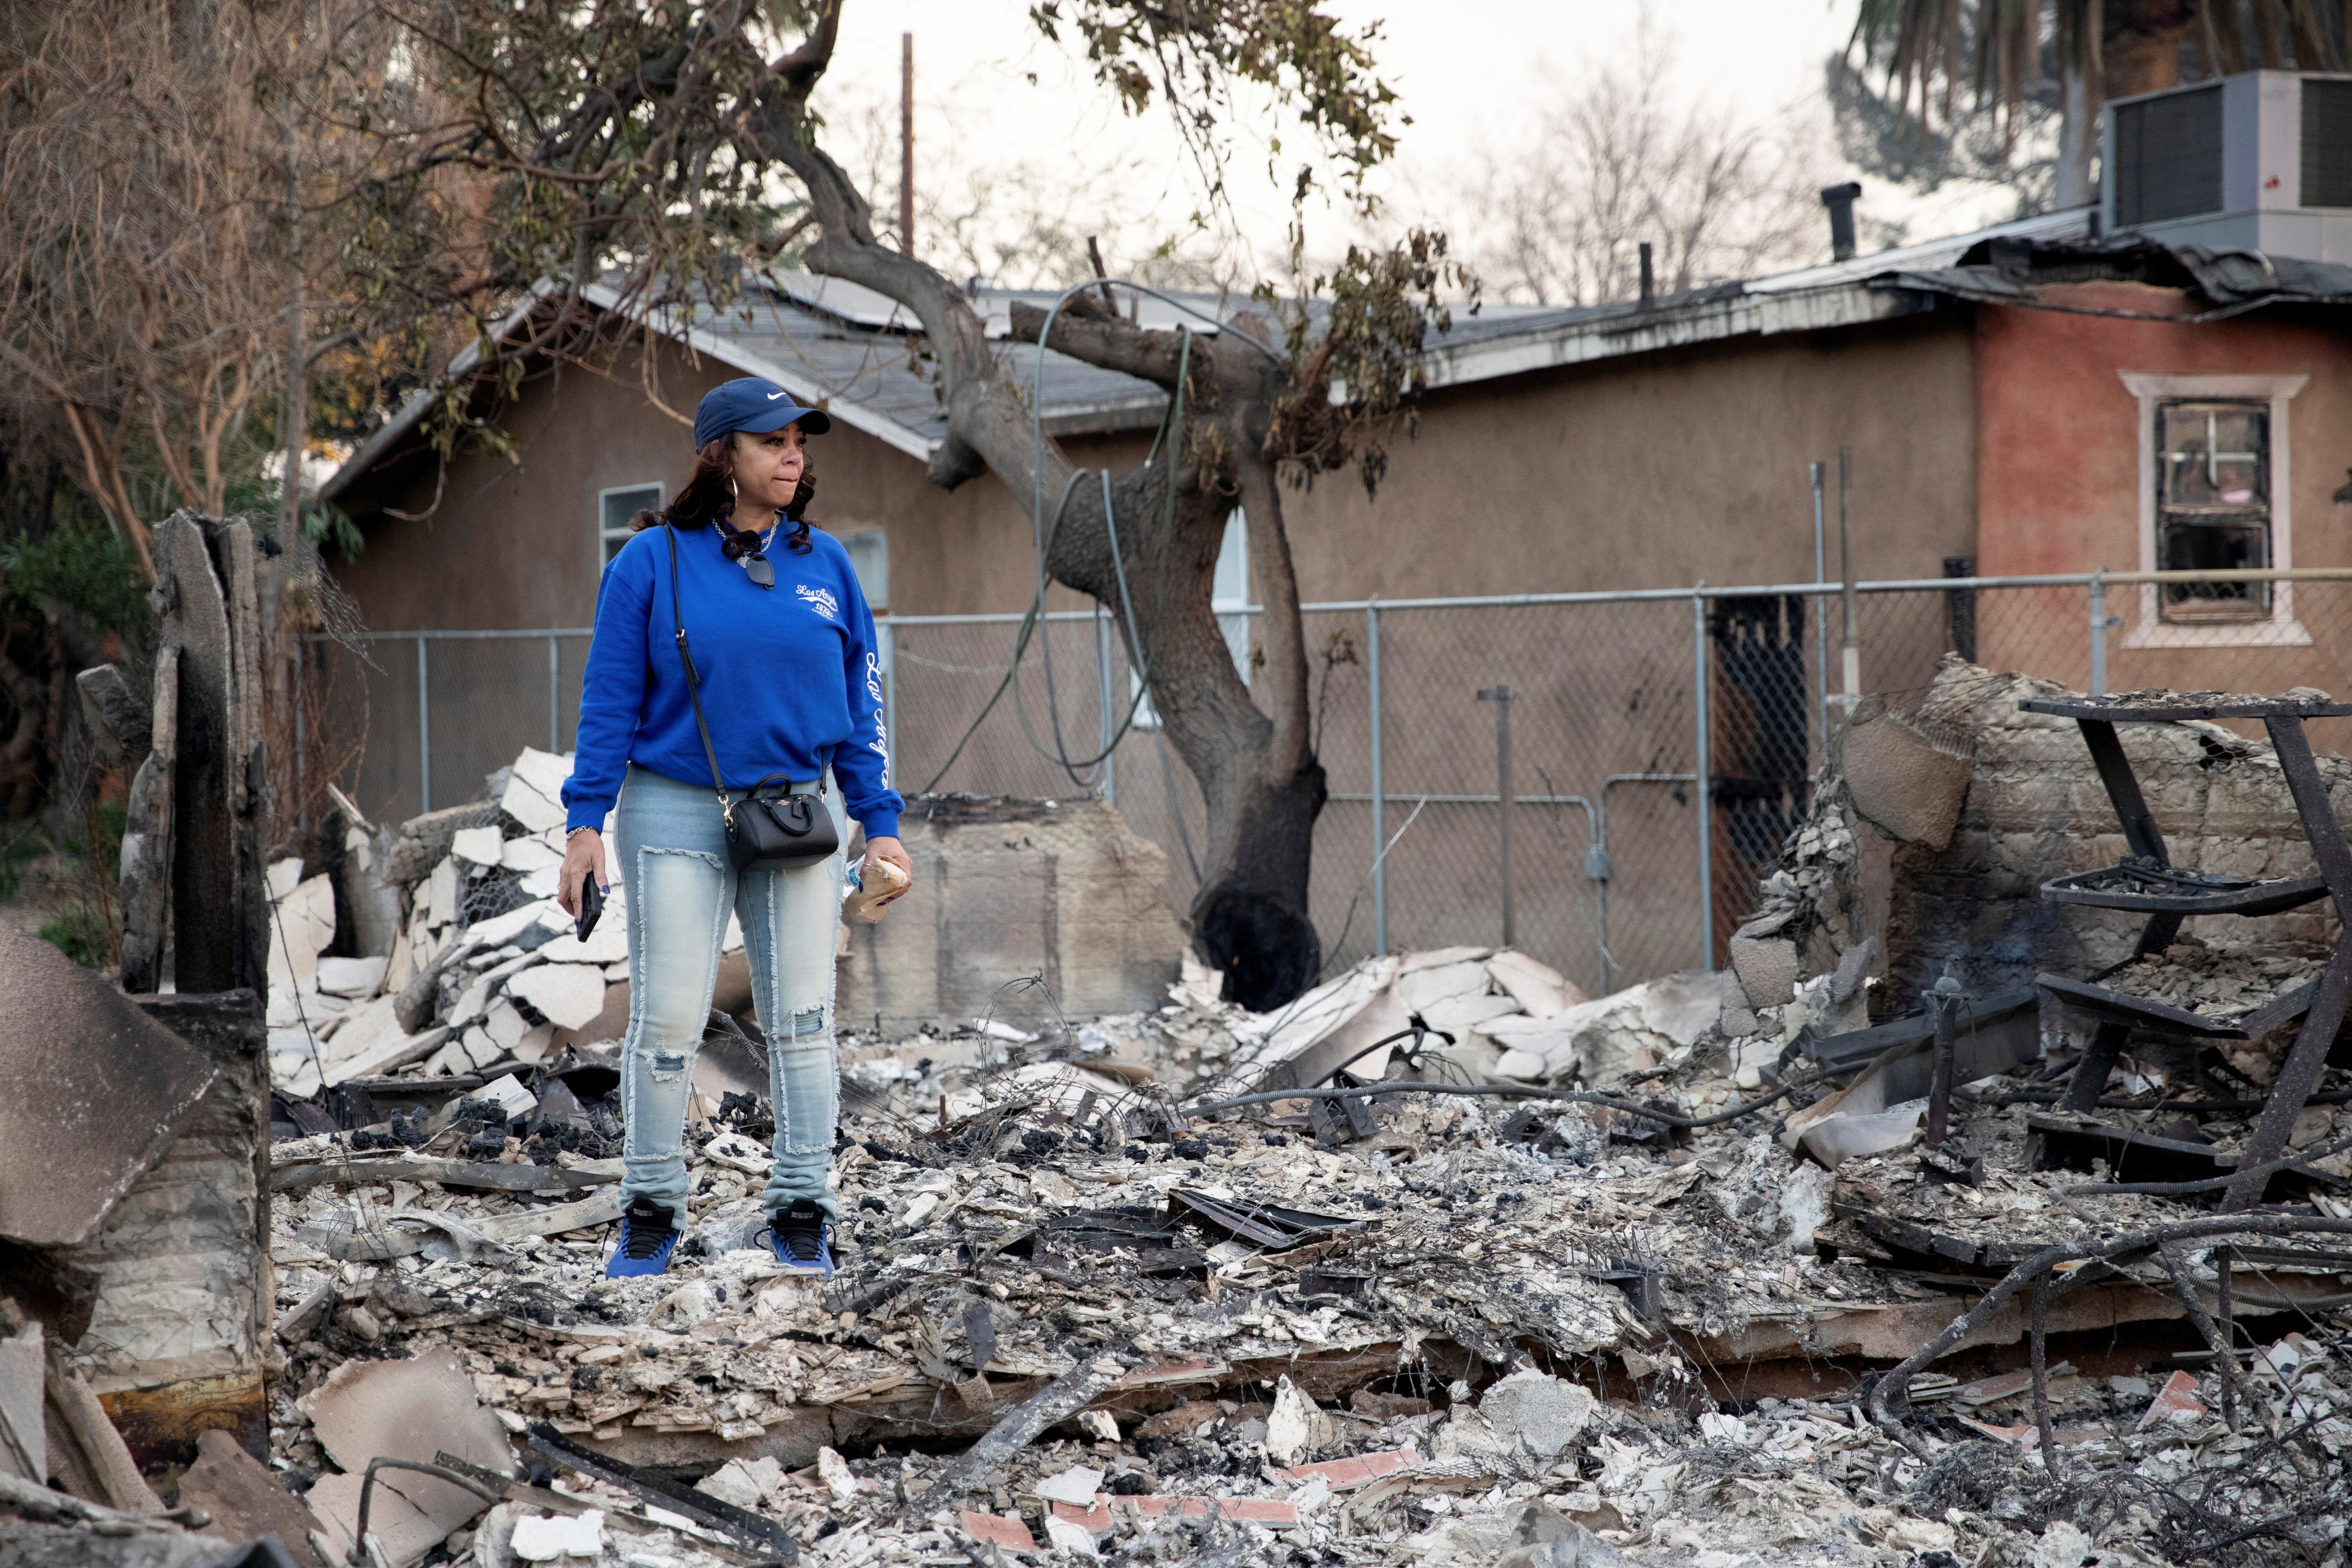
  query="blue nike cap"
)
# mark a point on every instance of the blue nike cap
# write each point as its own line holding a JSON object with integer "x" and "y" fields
{"x": 754, "y": 405}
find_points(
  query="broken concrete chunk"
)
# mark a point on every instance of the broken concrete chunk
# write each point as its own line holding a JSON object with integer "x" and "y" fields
{"x": 480, "y": 1048}
{"x": 441, "y": 894}
{"x": 500, "y": 930}
{"x": 98, "y": 1091}
{"x": 302, "y": 925}
{"x": 23, "y": 1442}
{"x": 504, "y": 1025}
{"x": 1062, "y": 1535}
{"x": 1768, "y": 968}
{"x": 533, "y": 796}
{"x": 1901, "y": 783}
{"x": 282, "y": 877}
{"x": 1805, "y": 1204}
{"x": 1540, "y": 1411}
{"x": 1436, "y": 957}
{"x": 1541, "y": 991}
{"x": 405, "y": 1410}
{"x": 555, "y": 1537}
{"x": 1598, "y": 1041}
{"x": 1453, "y": 1015}
{"x": 371, "y": 1042}
{"x": 1421, "y": 989}
{"x": 244, "y": 1500}
{"x": 533, "y": 1045}
{"x": 508, "y": 1092}
{"x": 1077, "y": 1486}
{"x": 1683, "y": 1007}
{"x": 1543, "y": 1537}
{"x": 1525, "y": 1065}
{"x": 529, "y": 853}
{"x": 568, "y": 995}
{"x": 1853, "y": 969}
{"x": 1295, "y": 1427}
{"x": 744, "y": 1483}
{"x": 352, "y": 977}
{"x": 482, "y": 846}
{"x": 608, "y": 943}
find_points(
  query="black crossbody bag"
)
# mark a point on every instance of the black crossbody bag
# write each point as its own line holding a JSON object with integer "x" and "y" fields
{"x": 778, "y": 826}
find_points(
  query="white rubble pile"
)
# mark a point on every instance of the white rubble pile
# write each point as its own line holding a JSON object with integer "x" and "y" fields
{"x": 510, "y": 973}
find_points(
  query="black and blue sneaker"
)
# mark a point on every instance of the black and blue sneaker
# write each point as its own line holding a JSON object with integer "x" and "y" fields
{"x": 648, "y": 1235}
{"x": 801, "y": 1239}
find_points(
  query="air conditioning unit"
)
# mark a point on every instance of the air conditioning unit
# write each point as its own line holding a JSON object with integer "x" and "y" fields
{"x": 2258, "y": 162}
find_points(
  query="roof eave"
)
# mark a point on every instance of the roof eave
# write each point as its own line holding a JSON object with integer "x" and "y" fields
{"x": 1554, "y": 346}
{"x": 726, "y": 352}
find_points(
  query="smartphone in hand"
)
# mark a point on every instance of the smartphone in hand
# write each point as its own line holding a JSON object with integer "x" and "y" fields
{"x": 592, "y": 905}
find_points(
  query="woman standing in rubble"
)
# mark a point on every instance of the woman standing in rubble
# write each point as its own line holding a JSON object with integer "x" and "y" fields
{"x": 732, "y": 645}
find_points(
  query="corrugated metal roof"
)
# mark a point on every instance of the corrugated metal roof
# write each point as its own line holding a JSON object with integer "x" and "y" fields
{"x": 844, "y": 348}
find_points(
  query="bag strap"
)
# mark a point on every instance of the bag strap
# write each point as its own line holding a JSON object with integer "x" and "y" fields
{"x": 694, "y": 681}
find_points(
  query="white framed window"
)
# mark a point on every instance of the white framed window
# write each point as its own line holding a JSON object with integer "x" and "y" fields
{"x": 1229, "y": 600}
{"x": 614, "y": 507}
{"x": 2213, "y": 495}
{"x": 869, "y": 557}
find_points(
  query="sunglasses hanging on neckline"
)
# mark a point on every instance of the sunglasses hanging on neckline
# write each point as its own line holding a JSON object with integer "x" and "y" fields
{"x": 743, "y": 545}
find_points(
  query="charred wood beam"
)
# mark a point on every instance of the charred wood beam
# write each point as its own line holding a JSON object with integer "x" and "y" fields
{"x": 123, "y": 719}
{"x": 146, "y": 867}
{"x": 1887, "y": 1401}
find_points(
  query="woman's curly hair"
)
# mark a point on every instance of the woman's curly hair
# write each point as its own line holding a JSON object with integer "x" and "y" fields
{"x": 709, "y": 493}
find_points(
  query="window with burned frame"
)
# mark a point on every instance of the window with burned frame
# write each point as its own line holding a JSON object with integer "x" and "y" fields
{"x": 2213, "y": 505}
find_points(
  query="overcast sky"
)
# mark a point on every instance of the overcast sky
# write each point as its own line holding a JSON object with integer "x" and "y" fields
{"x": 1473, "y": 74}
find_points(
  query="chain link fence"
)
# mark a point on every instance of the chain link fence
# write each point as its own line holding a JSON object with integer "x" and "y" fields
{"x": 430, "y": 714}
{"x": 1615, "y": 723}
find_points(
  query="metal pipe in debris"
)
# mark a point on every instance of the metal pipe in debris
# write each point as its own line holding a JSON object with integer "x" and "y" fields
{"x": 1944, "y": 1002}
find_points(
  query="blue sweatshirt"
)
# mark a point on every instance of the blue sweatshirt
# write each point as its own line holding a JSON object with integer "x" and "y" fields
{"x": 790, "y": 674}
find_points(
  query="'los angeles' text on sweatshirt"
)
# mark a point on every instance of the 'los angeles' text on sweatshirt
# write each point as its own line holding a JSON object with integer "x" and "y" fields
{"x": 791, "y": 676}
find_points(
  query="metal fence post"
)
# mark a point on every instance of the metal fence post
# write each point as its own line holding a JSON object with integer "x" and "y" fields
{"x": 1110, "y": 764}
{"x": 1380, "y": 797}
{"x": 1706, "y": 803}
{"x": 423, "y": 735}
{"x": 1819, "y": 474}
{"x": 1500, "y": 696}
{"x": 1850, "y": 648}
{"x": 554, "y": 700}
{"x": 2098, "y": 635}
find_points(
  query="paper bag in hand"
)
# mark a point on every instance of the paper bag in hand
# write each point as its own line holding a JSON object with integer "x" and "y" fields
{"x": 881, "y": 883}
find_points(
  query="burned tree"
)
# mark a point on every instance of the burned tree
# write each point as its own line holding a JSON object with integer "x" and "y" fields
{"x": 658, "y": 165}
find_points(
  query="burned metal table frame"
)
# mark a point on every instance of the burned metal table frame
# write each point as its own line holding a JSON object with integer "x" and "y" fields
{"x": 2322, "y": 1004}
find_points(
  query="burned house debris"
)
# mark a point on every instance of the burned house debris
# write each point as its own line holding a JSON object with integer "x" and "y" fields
{"x": 1945, "y": 1224}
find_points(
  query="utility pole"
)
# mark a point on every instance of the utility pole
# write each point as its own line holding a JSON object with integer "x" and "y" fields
{"x": 907, "y": 143}
{"x": 1500, "y": 696}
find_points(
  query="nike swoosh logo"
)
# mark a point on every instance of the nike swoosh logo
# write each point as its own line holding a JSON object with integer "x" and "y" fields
{"x": 774, "y": 395}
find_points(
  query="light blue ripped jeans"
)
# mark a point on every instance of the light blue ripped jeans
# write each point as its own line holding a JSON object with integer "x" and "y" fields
{"x": 681, "y": 887}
